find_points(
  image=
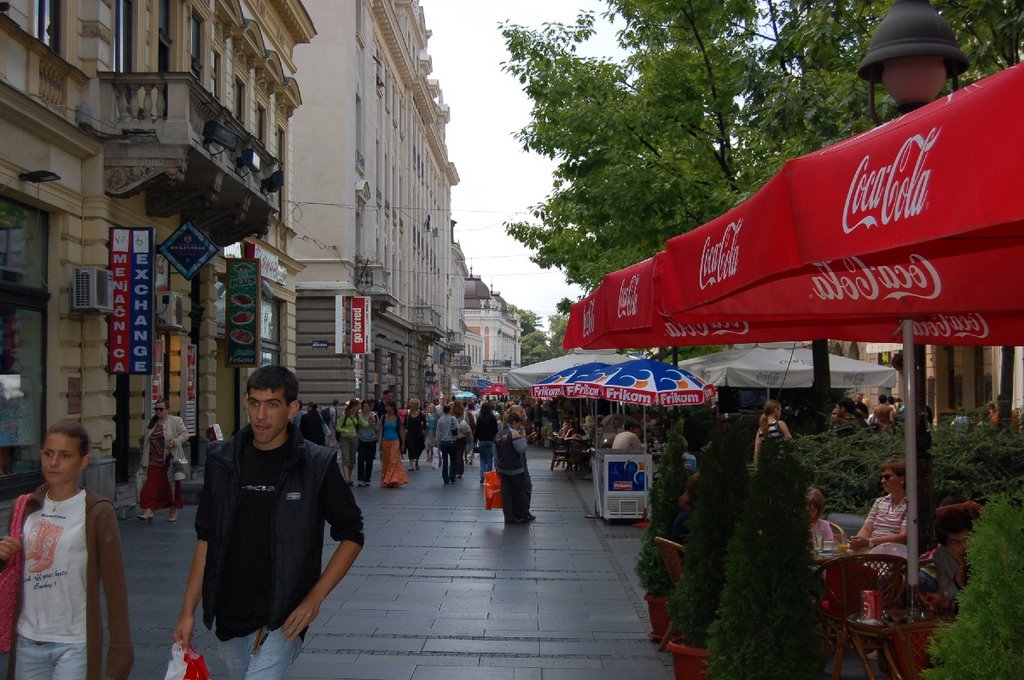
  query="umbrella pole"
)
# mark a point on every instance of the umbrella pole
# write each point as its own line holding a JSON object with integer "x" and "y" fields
{"x": 910, "y": 461}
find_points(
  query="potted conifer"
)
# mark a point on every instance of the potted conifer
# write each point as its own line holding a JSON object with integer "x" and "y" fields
{"x": 720, "y": 500}
{"x": 764, "y": 627}
{"x": 986, "y": 640}
{"x": 664, "y": 505}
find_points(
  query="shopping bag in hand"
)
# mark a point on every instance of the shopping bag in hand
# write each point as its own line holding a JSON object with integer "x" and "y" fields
{"x": 186, "y": 664}
{"x": 492, "y": 490}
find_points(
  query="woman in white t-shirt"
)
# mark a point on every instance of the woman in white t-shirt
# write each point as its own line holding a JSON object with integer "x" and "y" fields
{"x": 69, "y": 544}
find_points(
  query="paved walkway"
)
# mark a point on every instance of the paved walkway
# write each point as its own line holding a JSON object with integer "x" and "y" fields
{"x": 443, "y": 589}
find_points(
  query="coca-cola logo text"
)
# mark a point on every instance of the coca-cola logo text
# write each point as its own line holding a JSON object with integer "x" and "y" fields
{"x": 892, "y": 192}
{"x": 675, "y": 329}
{"x": 852, "y": 279}
{"x": 629, "y": 294}
{"x": 589, "y": 321}
{"x": 937, "y": 326}
{"x": 719, "y": 261}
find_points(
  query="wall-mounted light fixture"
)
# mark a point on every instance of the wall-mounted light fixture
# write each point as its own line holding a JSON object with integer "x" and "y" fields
{"x": 272, "y": 182}
{"x": 4, "y": 6}
{"x": 248, "y": 160}
{"x": 39, "y": 176}
{"x": 217, "y": 138}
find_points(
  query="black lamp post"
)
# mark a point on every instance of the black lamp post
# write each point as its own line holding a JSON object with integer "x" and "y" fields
{"x": 913, "y": 52}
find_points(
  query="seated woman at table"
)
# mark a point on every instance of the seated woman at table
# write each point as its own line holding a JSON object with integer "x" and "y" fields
{"x": 953, "y": 524}
{"x": 815, "y": 507}
{"x": 570, "y": 428}
{"x": 887, "y": 521}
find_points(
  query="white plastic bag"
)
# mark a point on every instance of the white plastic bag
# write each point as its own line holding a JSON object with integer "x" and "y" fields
{"x": 177, "y": 666}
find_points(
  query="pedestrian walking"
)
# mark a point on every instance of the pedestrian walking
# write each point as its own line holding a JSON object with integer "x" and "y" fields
{"x": 415, "y": 433}
{"x": 68, "y": 545}
{"x": 391, "y": 434}
{"x": 258, "y": 562}
{"x": 163, "y": 464}
{"x": 366, "y": 433}
{"x": 311, "y": 424}
{"x": 348, "y": 440}
{"x": 447, "y": 435}
{"x": 486, "y": 430}
{"x": 459, "y": 413}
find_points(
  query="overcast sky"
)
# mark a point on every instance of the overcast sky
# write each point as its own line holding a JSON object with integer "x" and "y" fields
{"x": 498, "y": 180}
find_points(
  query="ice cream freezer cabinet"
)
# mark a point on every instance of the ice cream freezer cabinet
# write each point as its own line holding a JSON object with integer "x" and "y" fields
{"x": 620, "y": 483}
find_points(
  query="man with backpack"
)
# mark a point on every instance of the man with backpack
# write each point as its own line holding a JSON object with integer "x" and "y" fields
{"x": 446, "y": 433}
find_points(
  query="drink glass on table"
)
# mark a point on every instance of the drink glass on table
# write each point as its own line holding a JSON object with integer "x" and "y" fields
{"x": 843, "y": 546}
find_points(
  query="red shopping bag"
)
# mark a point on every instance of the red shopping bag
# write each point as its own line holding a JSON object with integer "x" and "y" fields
{"x": 186, "y": 664}
{"x": 492, "y": 490}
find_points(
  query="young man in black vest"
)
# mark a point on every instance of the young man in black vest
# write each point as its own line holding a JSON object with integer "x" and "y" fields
{"x": 260, "y": 527}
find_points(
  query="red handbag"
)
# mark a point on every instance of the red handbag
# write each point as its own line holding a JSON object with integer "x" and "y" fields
{"x": 10, "y": 579}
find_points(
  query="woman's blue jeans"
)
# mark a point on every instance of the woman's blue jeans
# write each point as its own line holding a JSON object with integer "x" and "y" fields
{"x": 486, "y": 457}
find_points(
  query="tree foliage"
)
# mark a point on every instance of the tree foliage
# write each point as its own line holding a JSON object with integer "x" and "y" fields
{"x": 708, "y": 101}
{"x": 987, "y": 639}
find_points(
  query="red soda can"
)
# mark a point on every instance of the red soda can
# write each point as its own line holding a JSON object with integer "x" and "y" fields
{"x": 871, "y": 605}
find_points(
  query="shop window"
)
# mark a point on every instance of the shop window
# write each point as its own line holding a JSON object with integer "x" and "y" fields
{"x": 23, "y": 299}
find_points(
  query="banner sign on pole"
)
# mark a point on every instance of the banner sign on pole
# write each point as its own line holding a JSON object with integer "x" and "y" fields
{"x": 130, "y": 326}
{"x": 360, "y": 323}
{"x": 242, "y": 324}
{"x": 339, "y": 324}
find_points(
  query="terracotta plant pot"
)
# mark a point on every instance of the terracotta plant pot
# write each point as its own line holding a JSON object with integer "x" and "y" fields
{"x": 689, "y": 663}
{"x": 657, "y": 611}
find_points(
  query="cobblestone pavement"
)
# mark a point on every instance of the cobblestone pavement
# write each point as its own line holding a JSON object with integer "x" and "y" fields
{"x": 442, "y": 589}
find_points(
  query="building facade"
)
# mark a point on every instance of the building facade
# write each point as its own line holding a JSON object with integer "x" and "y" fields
{"x": 371, "y": 205}
{"x": 489, "y": 317}
{"x": 122, "y": 120}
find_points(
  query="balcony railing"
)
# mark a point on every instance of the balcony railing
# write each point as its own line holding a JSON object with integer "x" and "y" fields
{"x": 462, "y": 362}
{"x": 456, "y": 340}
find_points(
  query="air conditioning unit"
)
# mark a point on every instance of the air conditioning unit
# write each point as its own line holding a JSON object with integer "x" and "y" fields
{"x": 92, "y": 290}
{"x": 170, "y": 311}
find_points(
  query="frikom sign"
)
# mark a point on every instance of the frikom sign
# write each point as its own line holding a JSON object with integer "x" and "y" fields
{"x": 360, "y": 324}
{"x": 130, "y": 326}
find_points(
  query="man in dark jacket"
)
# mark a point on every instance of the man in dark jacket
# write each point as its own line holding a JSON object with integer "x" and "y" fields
{"x": 260, "y": 527}
{"x": 311, "y": 425}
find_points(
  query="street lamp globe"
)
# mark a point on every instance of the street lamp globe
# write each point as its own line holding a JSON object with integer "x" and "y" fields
{"x": 913, "y": 52}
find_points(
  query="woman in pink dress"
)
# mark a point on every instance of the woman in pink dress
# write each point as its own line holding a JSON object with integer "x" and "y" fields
{"x": 390, "y": 433}
{"x": 161, "y": 445}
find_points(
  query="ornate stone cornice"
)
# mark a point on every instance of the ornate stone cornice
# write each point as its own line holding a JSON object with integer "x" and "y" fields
{"x": 124, "y": 177}
{"x": 95, "y": 29}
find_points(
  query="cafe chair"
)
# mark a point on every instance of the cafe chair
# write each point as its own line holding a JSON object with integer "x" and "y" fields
{"x": 559, "y": 453}
{"x": 906, "y": 648}
{"x": 837, "y": 533}
{"x": 842, "y": 579}
{"x": 672, "y": 557}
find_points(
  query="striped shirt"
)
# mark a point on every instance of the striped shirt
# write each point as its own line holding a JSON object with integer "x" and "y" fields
{"x": 886, "y": 519}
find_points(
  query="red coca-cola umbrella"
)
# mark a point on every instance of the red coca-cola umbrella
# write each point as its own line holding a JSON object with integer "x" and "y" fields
{"x": 897, "y": 208}
{"x": 625, "y": 311}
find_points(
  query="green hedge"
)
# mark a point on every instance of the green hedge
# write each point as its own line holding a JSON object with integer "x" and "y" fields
{"x": 977, "y": 462}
